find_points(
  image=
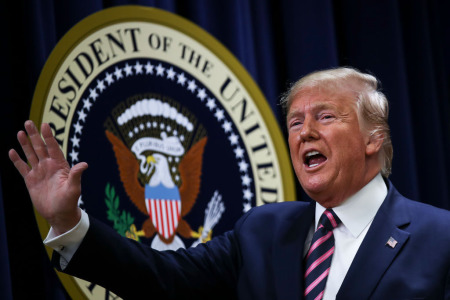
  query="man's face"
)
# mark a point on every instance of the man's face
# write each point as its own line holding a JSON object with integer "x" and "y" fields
{"x": 328, "y": 149}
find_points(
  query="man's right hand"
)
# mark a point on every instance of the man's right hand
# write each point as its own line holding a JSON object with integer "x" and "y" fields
{"x": 54, "y": 187}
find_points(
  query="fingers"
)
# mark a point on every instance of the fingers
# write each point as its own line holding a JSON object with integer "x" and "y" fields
{"x": 35, "y": 148}
{"x": 20, "y": 165}
{"x": 39, "y": 147}
{"x": 75, "y": 173}
{"x": 27, "y": 148}
{"x": 54, "y": 151}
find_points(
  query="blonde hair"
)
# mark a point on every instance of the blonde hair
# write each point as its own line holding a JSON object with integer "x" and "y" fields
{"x": 372, "y": 105}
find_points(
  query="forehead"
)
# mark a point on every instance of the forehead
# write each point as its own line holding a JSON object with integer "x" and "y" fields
{"x": 315, "y": 99}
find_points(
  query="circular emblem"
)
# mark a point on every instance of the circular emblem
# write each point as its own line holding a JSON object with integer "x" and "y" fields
{"x": 179, "y": 140}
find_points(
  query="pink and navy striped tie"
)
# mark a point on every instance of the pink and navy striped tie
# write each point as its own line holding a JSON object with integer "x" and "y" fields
{"x": 318, "y": 259}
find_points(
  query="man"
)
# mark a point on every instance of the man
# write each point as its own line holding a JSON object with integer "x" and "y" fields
{"x": 359, "y": 239}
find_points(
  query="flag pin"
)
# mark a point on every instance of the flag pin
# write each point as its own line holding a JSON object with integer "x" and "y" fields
{"x": 391, "y": 242}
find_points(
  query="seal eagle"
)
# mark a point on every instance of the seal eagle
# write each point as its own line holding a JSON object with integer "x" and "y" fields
{"x": 190, "y": 170}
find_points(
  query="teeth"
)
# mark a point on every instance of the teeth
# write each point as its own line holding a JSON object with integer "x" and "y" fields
{"x": 312, "y": 153}
{"x": 308, "y": 156}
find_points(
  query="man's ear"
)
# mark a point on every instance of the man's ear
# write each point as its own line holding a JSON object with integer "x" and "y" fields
{"x": 374, "y": 143}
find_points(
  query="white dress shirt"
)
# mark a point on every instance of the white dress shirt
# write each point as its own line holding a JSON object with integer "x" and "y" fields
{"x": 356, "y": 214}
{"x": 67, "y": 243}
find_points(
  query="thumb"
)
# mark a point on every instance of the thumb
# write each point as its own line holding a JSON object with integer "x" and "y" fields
{"x": 76, "y": 172}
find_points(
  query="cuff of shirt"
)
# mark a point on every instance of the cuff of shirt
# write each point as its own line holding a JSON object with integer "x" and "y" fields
{"x": 67, "y": 243}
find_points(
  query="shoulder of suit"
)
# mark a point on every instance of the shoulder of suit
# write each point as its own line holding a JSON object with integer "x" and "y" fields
{"x": 418, "y": 207}
{"x": 280, "y": 210}
{"x": 428, "y": 214}
{"x": 266, "y": 218}
{"x": 281, "y": 206}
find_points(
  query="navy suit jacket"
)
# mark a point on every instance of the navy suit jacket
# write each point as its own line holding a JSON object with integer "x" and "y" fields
{"x": 262, "y": 258}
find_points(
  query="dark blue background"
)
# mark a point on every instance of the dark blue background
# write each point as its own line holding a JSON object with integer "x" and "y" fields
{"x": 404, "y": 43}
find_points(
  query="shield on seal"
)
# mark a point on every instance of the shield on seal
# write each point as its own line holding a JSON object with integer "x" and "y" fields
{"x": 164, "y": 208}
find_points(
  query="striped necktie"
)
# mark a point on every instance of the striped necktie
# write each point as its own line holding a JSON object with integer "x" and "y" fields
{"x": 318, "y": 259}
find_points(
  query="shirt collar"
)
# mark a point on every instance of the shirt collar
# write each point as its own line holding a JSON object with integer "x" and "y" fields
{"x": 359, "y": 210}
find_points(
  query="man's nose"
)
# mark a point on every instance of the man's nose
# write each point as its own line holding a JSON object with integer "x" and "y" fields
{"x": 309, "y": 130}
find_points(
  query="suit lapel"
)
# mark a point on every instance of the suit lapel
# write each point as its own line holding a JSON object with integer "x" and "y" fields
{"x": 374, "y": 255}
{"x": 288, "y": 254}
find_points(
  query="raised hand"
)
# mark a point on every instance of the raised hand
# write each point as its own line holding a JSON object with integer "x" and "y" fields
{"x": 54, "y": 187}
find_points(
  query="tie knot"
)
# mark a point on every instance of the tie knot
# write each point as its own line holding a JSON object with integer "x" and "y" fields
{"x": 329, "y": 220}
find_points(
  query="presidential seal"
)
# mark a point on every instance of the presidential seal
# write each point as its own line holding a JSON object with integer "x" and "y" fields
{"x": 179, "y": 139}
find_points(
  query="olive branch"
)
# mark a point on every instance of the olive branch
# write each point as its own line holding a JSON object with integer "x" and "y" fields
{"x": 122, "y": 220}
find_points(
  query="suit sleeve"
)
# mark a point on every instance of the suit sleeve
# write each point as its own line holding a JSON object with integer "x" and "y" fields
{"x": 133, "y": 270}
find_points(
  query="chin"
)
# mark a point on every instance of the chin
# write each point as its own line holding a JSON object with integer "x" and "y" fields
{"x": 313, "y": 187}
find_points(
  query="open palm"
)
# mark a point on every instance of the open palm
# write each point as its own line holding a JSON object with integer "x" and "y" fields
{"x": 53, "y": 186}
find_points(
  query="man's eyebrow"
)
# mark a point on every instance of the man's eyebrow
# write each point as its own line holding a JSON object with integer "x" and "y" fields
{"x": 323, "y": 105}
{"x": 315, "y": 107}
{"x": 293, "y": 113}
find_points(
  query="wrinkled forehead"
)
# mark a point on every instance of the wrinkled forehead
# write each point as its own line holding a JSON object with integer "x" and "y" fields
{"x": 320, "y": 97}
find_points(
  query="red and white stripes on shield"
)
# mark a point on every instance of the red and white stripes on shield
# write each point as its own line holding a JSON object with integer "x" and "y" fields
{"x": 165, "y": 215}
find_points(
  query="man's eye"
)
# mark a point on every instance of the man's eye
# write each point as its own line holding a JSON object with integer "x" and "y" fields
{"x": 326, "y": 117}
{"x": 295, "y": 123}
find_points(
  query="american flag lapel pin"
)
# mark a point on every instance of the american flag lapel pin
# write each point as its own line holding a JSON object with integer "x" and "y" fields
{"x": 391, "y": 242}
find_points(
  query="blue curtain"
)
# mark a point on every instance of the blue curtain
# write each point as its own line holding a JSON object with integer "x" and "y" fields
{"x": 404, "y": 43}
{"x": 5, "y": 274}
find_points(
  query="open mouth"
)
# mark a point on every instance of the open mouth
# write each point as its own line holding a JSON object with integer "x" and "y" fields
{"x": 314, "y": 158}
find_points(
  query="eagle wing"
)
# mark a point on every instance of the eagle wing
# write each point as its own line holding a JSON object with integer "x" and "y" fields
{"x": 129, "y": 170}
{"x": 190, "y": 171}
